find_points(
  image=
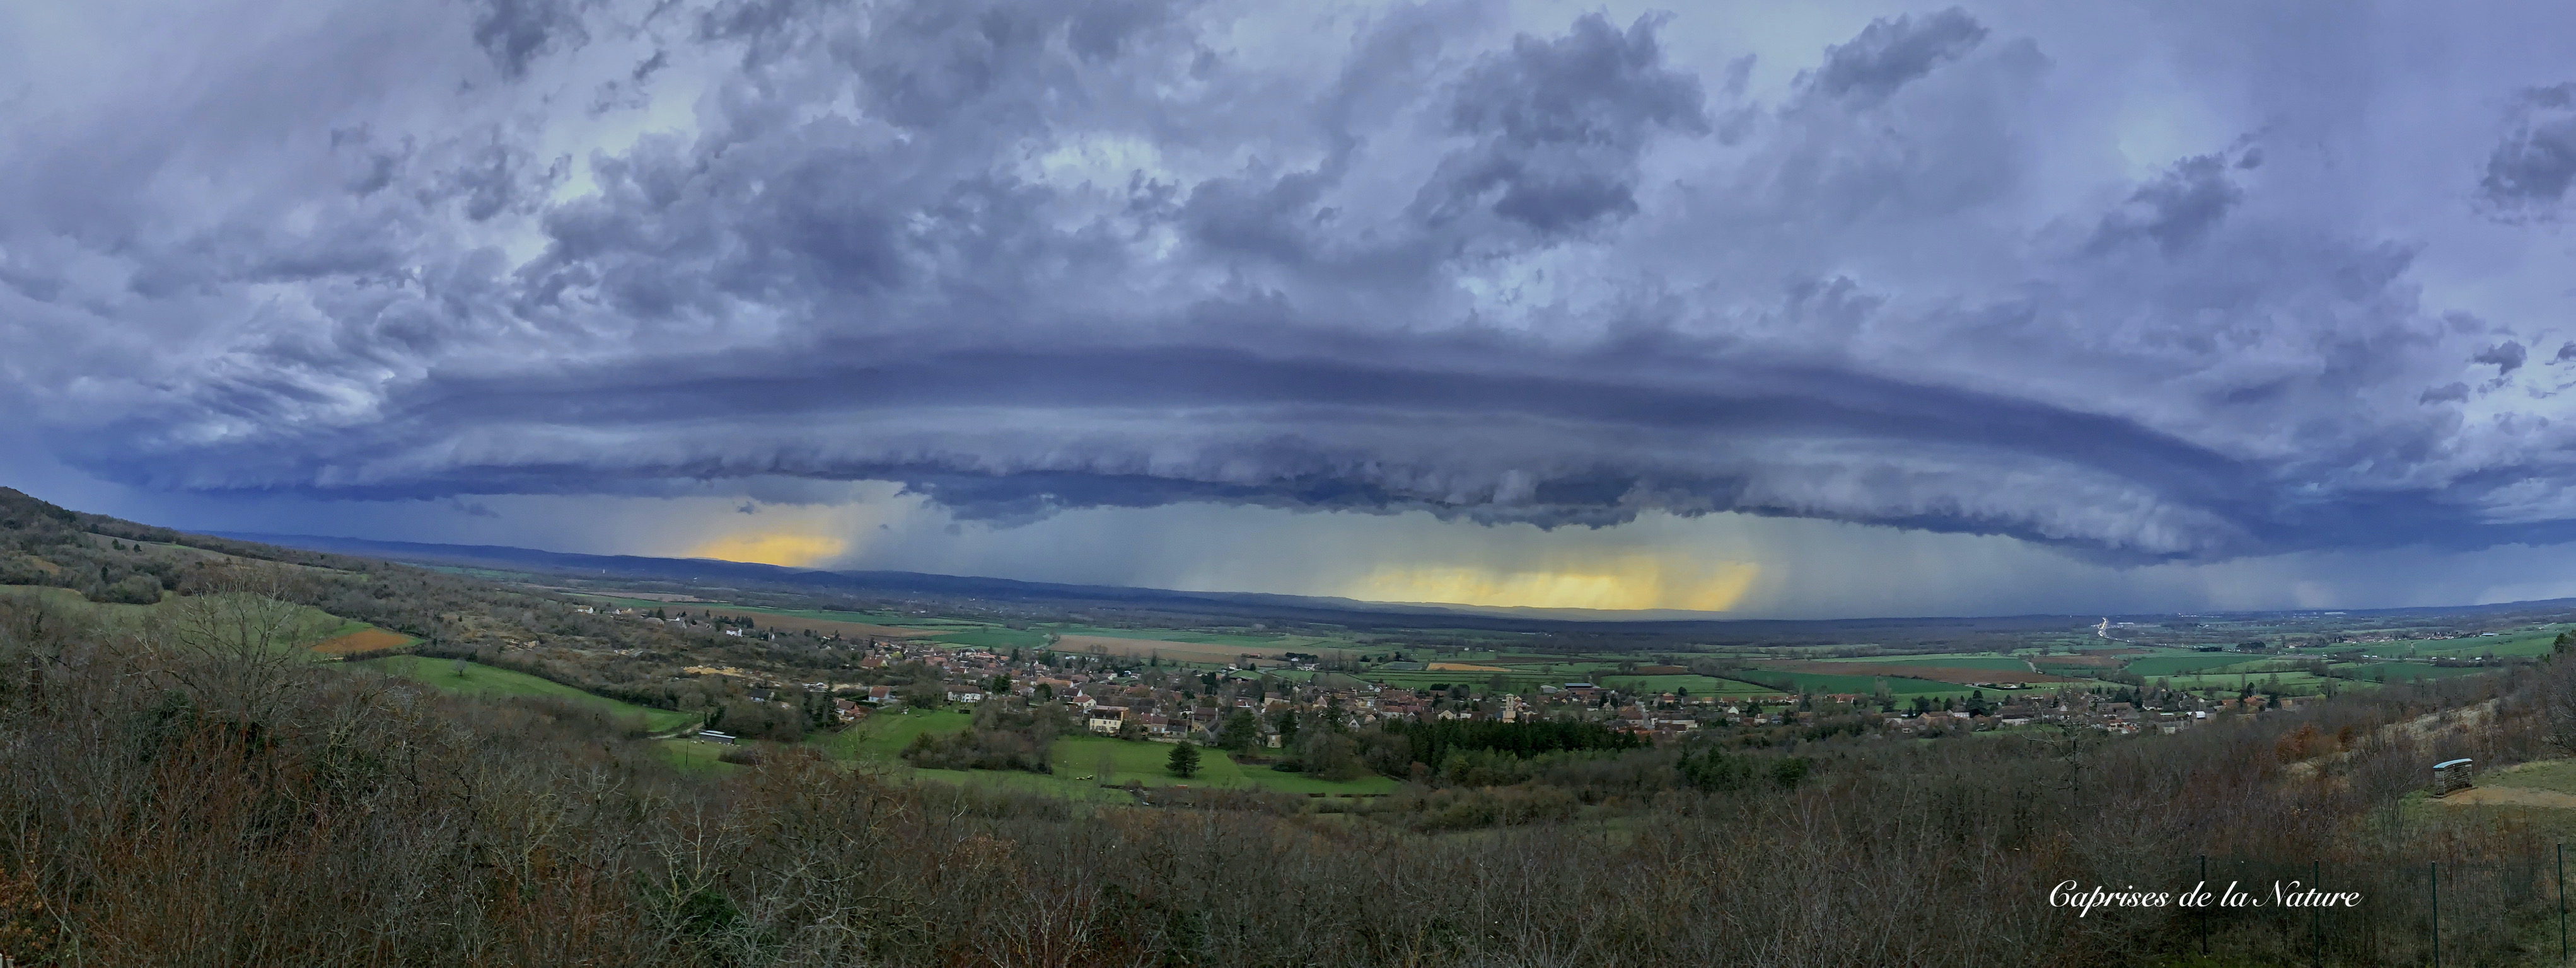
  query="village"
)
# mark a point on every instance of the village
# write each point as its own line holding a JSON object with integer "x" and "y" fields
{"x": 1157, "y": 701}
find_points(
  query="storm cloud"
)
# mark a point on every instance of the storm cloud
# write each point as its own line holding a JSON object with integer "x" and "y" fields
{"x": 2033, "y": 272}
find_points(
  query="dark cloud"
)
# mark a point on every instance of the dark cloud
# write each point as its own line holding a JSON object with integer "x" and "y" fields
{"x": 1561, "y": 123}
{"x": 516, "y": 32}
{"x": 2506, "y": 357}
{"x": 2536, "y": 162}
{"x": 1022, "y": 257}
{"x": 1894, "y": 51}
{"x": 2174, "y": 211}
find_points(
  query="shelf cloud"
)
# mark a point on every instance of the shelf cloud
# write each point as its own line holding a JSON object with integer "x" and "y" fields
{"x": 2142, "y": 291}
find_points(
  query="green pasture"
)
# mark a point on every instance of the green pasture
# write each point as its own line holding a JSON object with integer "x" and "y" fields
{"x": 1078, "y": 761}
{"x": 1949, "y": 662}
{"x": 2293, "y": 683}
{"x": 2528, "y": 643}
{"x": 483, "y": 680}
{"x": 1478, "y": 681}
{"x": 1081, "y": 759}
{"x": 308, "y": 625}
{"x": 886, "y": 733}
{"x": 2175, "y": 665}
{"x": 1201, "y": 637}
{"x": 994, "y": 638}
{"x": 2407, "y": 671}
{"x": 2554, "y": 775}
{"x": 694, "y": 756}
{"x": 1698, "y": 685}
{"x": 1863, "y": 685}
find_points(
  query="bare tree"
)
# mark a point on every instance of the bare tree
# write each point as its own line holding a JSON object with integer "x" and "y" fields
{"x": 230, "y": 649}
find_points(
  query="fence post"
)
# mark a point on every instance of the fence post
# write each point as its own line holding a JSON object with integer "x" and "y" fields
{"x": 2562, "y": 902}
{"x": 2433, "y": 871}
{"x": 2204, "y": 910}
{"x": 2316, "y": 916}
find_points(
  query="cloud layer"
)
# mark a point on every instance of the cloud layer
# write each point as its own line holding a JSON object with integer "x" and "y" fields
{"x": 2144, "y": 290}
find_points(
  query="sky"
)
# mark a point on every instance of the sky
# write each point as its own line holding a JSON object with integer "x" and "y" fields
{"x": 1811, "y": 310}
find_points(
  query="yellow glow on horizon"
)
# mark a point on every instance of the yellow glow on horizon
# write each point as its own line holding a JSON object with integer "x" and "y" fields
{"x": 1620, "y": 584}
{"x": 785, "y": 549}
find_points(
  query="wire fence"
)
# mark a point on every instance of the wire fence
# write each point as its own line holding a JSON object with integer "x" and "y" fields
{"x": 2492, "y": 912}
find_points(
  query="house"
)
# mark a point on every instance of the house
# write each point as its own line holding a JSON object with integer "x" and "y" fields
{"x": 712, "y": 736}
{"x": 848, "y": 711}
{"x": 965, "y": 694}
{"x": 1106, "y": 719}
{"x": 880, "y": 694}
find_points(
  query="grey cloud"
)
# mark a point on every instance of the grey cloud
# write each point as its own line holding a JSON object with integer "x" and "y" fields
{"x": 1894, "y": 51}
{"x": 2176, "y": 210}
{"x": 2506, "y": 357}
{"x": 2536, "y": 161}
{"x": 2447, "y": 393}
{"x": 1024, "y": 257}
{"x": 1561, "y": 123}
{"x": 516, "y": 32}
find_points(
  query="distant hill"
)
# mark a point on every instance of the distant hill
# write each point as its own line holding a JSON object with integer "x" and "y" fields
{"x": 734, "y": 574}
{"x": 1256, "y": 606}
{"x": 106, "y": 559}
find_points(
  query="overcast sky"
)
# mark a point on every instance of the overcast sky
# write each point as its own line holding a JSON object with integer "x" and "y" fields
{"x": 1800, "y": 310}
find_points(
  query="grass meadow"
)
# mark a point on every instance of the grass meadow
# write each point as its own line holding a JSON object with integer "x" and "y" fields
{"x": 483, "y": 680}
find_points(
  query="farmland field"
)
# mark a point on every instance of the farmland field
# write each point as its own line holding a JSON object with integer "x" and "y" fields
{"x": 2295, "y": 683}
{"x": 483, "y": 680}
{"x": 1949, "y": 662}
{"x": 1168, "y": 650}
{"x": 883, "y": 735}
{"x": 2405, "y": 671}
{"x": 694, "y": 756}
{"x": 1078, "y": 761}
{"x": 2080, "y": 663}
{"x": 994, "y": 638}
{"x": 365, "y": 639}
{"x": 1865, "y": 684}
{"x": 762, "y": 618}
{"x": 2173, "y": 665}
{"x": 1937, "y": 673}
{"x": 1698, "y": 685}
{"x": 2529, "y": 643}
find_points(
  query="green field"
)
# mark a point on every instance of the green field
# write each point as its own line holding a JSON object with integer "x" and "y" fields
{"x": 1863, "y": 685}
{"x": 1077, "y": 761}
{"x": 1195, "y": 637}
{"x": 1952, "y": 662}
{"x": 2522, "y": 643}
{"x": 2556, "y": 775}
{"x": 1475, "y": 680}
{"x": 2406, "y": 671}
{"x": 994, "y": 638}
{"x": 2174, "y": 665}
{"x": 2293, "y": 683}
{"x": 883, "y": 735}
{"x": 1698, "y": 685}
{"x": 483, "y": 680}
{"x": 695, "y": 756}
